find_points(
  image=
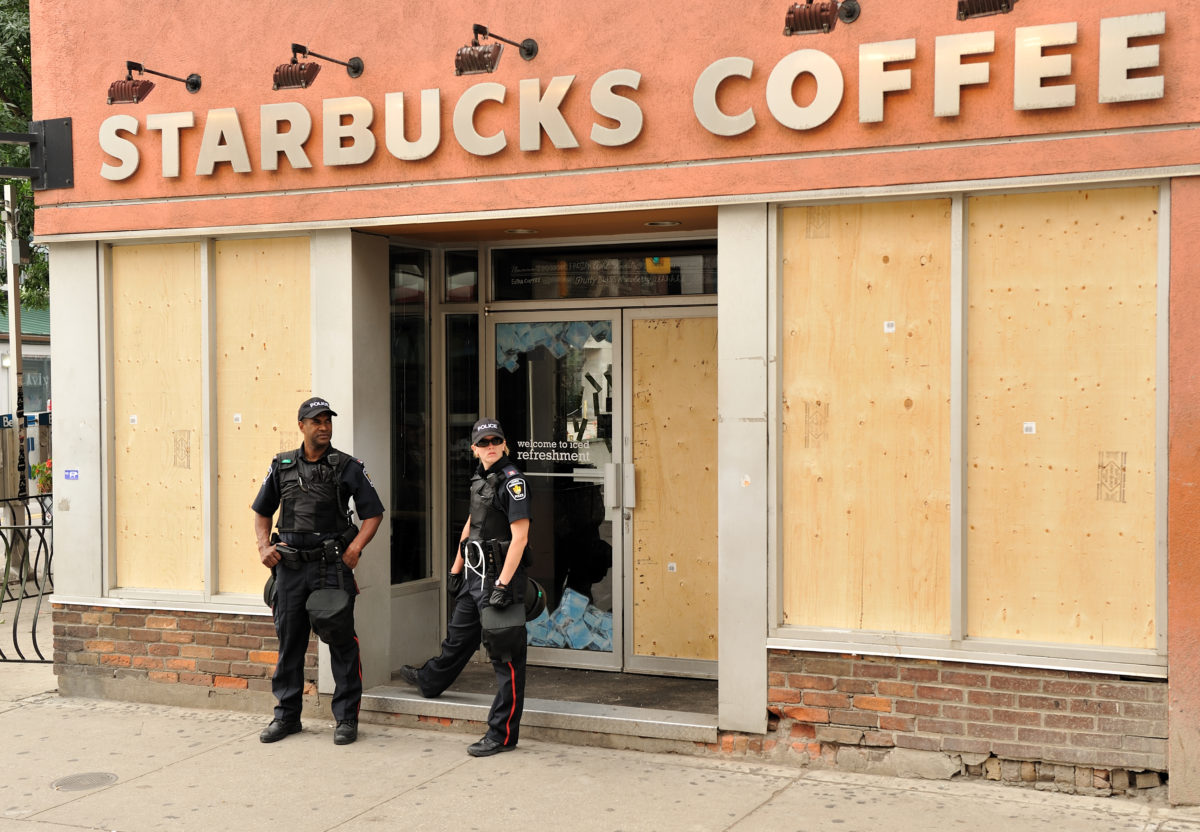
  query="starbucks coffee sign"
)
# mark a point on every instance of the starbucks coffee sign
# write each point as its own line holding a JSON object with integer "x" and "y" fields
{"x": 349, "y": 130}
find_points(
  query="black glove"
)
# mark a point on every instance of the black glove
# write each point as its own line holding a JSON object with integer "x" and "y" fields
{"x": 501, "y": 597}
{"x": 454, "y": 582}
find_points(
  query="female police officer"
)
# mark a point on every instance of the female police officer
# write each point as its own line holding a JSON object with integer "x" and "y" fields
{"x": 487, "y": 572}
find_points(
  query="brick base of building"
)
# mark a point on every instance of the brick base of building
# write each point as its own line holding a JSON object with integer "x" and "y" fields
{"x": 898, "y": 762}
{"x": 173, "y": 657}
{"x": 1084, "y": 733}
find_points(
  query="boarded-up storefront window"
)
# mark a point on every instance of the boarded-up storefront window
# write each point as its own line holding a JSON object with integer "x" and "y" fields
{"x": 1060, "y": 427}
{"x": 263, "y": 372}
{"x": 260, "y": 369}
{"x": 1056, "y": 411}
{"x": 156, "y": 384}
{"x": 865, "y": 474}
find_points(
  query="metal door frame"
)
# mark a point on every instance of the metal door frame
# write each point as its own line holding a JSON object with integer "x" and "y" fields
{"x": 566, "y": 657}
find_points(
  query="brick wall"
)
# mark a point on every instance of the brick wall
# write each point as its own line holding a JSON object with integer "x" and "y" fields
{"x": 207, "y": 650}
{"x": 821, "y": 704}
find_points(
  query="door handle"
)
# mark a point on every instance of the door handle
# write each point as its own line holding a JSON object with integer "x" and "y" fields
{"x": 611, "y": 498}
{"x": 629, "y": 486}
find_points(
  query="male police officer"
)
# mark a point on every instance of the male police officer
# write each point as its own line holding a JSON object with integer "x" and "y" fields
{"x": 317, "y": 545}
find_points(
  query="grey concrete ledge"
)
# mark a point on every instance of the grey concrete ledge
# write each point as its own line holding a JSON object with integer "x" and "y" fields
{"x": 546, "y": 713}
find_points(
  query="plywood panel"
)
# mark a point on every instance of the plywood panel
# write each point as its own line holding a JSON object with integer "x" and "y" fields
{"x": 674, "y": 436}
{"x": 10, "y": 480}
{"x": 156, "y": 416}
{"x": 264, "y": 371}
{"x": 1062, "y": 333}
{"x": 865, "y": 476}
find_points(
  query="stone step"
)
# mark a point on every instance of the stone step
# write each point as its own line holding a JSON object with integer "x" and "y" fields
{"x": 549, "y": 714}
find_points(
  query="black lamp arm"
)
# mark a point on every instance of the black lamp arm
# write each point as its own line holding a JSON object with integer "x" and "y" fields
{"x": 354, "y": 66}
{"x": 133, "y": 66}
{"x": 192, "y": 82}
{"x": 305, "y": 52}
{"x": 479, "y": 30}
{"x": 528, "y": 47}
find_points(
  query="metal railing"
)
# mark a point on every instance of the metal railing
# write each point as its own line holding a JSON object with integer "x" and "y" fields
{"x": 26, "y": 533}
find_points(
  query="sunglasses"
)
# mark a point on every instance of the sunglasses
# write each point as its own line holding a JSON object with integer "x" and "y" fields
{"x": 488, "y": 441}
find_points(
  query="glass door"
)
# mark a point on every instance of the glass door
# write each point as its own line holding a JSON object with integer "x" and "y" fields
{"x": 554, "y": 389}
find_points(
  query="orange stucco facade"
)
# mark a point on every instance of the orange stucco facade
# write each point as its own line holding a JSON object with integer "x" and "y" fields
{"x": 669, "y": 46}
{"x": 667, "y": 152}
{"x": 1183, "y": 506}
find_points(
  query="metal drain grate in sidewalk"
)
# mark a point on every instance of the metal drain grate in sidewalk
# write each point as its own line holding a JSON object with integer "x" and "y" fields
{"x": 83, "y": 782}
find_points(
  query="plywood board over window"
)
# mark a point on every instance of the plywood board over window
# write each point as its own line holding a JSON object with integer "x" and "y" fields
{"x": 865, "y": 466}
{"x": 674, "y": 444}
{"x": 263, "y": 372}
{"x": 156, "y": 381}
{"x": 1060, "y": 434}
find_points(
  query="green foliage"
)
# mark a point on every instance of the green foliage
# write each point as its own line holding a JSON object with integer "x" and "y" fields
{"x": 43, "y": 472}
{"x": 16, "y": 111}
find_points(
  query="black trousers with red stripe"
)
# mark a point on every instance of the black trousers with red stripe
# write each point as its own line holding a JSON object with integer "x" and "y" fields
{"x": 463, "y": 637}
{"x": 292, "y": 587}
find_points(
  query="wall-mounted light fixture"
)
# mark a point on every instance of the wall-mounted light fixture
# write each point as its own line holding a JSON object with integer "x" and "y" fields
{"x": 295, "y": 75}
{"x": 5, "y": 360}
{"x": 983, "y": 8}
{"x": 819, "y": 16}
{"x": 130, "y": 90}
{"x": 476, "y": 58}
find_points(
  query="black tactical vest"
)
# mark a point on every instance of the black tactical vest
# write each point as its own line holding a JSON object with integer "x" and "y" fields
{"x": 489, "y": 520}
{"x": 310, "y": 493}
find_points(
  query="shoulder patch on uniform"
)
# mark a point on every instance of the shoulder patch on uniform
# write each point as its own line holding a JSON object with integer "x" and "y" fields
{"x": 516, "y": 488}
{"x": 511, "y": 471}
{"x": 363, "y": 465}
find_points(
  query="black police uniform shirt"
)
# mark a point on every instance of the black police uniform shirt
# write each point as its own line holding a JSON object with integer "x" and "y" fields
{"x": 354, "y": 483}
{"x": 503, "y": 496}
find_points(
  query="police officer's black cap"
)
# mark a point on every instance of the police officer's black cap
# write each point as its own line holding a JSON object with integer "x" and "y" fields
{"x": 314, "y": 407}
{"x": 486, "y": 427}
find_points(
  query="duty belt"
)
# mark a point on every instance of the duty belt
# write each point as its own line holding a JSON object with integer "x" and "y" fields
{"x": 292, "y": 555}
{"x": 493, "y": 552}
{"x": 330, "y": 549}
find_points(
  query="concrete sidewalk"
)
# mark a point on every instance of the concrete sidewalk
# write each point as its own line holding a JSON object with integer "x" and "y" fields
{"x": 71, "y": 764}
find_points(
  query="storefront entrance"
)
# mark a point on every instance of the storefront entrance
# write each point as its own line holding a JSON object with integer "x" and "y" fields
{"x": 600, "y": 361}
{"x": 612, "y": 415}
